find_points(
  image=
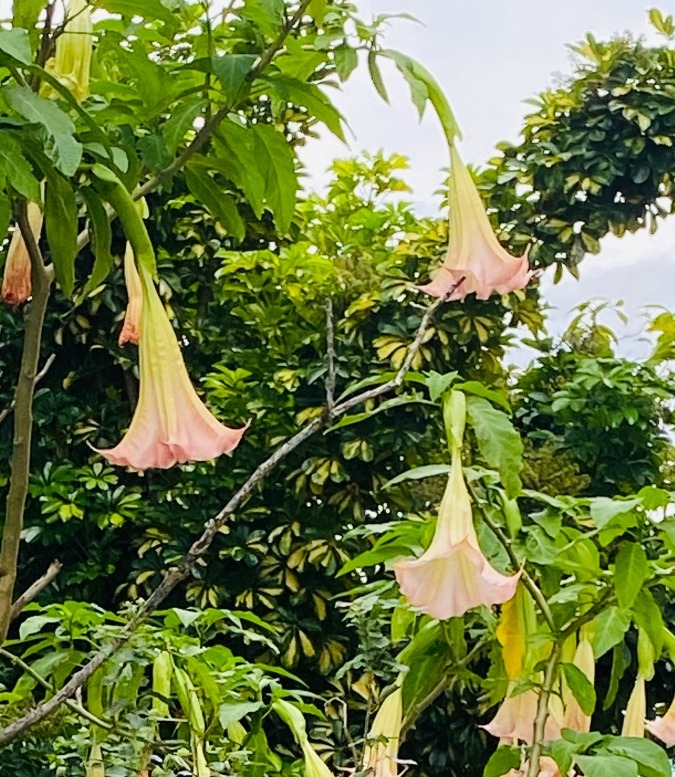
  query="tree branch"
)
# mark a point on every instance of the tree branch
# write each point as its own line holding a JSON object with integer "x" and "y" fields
{"x": 211, "y": 125}
{"x": 37, "y": 587}
{"x": 330, "y": 355}
{"x": 180, "y": 572}
{"x": 542, "y": 708}
{"x": 42, "y": 278}
{"x": 7, "y": 410}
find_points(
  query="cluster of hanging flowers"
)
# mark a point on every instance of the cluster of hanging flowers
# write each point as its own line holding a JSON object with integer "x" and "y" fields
{"x": 453, "y": 575}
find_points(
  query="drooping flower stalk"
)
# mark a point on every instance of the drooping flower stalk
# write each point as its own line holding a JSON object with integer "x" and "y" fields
{"x": 16, "y": 280}
{"x": 453, "y": 575}
{"x": 474, "y": 254}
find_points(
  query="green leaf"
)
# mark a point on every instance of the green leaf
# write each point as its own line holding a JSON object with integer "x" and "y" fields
{"x": 309, "y": 96}
{"x": 502, "y": 761}
{"x": 630, "y": 572}
{"x": 221, "y": 205}
{"x": 620, "y": 662}
{"x": 581, "y": 687}
{"x": 603, "y": 509}
{"x": 647, "y": 615}
{"x": 481, "y": 390}
{"x": 419, "y": 473}
{"x": 61, "y": 229}
{"x": 237, "y": 161}
{"x": 376, "y": 76}
{"x": 153, "y": 151}
{"x": 609, "y": 627}
{"x": 499, "y": 443}
{"x": 276, "y": 161}
{"x": 651, "y": 759}
{"x": 540, "y": 548}
{"x": 373, "y": 557}
{"x": 266, "y": 14}
{"x": 181, "y": 120}
{"x": 232, "y": 70}
{"x": 5, "y": 214}
{"x": 562, "y": 752}
{"x": 25, "y": 13}
{"x": 148, "y": 9}
{"x": 101, "y": 239}
{"x": 317, "y": 10}
{"x": 66, "y": 151}
{"x": 15, "y": 43}
{"x": 16, "y": 169}
{"x": 231, "y": 712}
{"x": 438, "y": 384}
{"x": 606, "y": 766}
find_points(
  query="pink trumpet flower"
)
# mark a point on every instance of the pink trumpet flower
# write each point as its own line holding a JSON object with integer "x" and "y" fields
{"x": 132, "y": 320}
{"x": 664, "y": 728}
{"x": 171, "y": 424}
{"x": 380, "y": 759}
{"x": 575, "y": 717}
{"x": 474, "y": 253}
{"x": 16, "y": 281}
{"x": 453, "y": 575}
{"x": 514, "y": 720}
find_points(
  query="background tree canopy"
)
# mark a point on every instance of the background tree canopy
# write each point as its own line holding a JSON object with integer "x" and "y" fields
{"x": 248, "y": 259}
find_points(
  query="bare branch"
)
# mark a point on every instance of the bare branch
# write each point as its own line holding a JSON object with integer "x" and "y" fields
{"x": 41, "y": 279}
{"x": 180, "y": 572}
{"x": 330, "y": 355}
{"x": 542, "y": 708}
{"x": 37, "y": 587}
{"x": 7, "y": 410}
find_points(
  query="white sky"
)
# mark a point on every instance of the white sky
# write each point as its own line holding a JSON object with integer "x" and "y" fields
{"x": 489, "y": 56}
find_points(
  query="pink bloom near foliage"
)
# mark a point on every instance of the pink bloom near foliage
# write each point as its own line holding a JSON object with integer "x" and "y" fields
{"x": 16, "y": 281}
{"x": 514, "y": 720}
{"x": 453, "y": 575}
{"x": 171, "y": 424}
{"x": 474, "y": 253}
{"x": 664, "y": 728}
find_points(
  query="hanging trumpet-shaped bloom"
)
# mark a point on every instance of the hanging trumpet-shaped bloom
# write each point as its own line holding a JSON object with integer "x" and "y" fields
{"x": 474, "y": 254}
{"x": 380, "y": 758}
{"x": 171, "y": 424}
{"x": 636, "y": 710}
{"x": 453, "y": 575}
{"x": 132, "y": 320}
{"x": 664, "y": 728}
{"x": 16, "y": 281}
{"x": 315, "y": 766}
{"x": 514, "y": 720}
{"x": 72, "y": 59}
{"x": 584, "y": 660}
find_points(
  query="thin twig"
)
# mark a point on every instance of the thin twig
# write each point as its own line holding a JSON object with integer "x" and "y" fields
{"x": 532, "y": 588}
{"x": 37, "y": 587}
{"x": 211, "y": 125}
{"x": 330, "y": 355}
{"x": 180, "y": 572}
{"x": 74, "y": 706}
{"x": 41, "y": 282}
{"x": 542, "y": 708}
{"x": 7, "y": 410}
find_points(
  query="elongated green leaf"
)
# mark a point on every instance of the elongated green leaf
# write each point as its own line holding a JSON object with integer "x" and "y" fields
{"x": 277, "y": 163}
{"x": 481, "y": 390}
{"x": 15, "y": 44}
{"x": 268, "y": 15}
{"x": 101, "y": 239}
{"x": 15, "y": 168}
{"x": 317, "y": 10}
{"x": 630, "y": 572}
{"x": 371, "y": 558}
{"x": 231, "y": 70}
{"x": 61, "y": 228}
{"x": 181, "y": 120}
{"x": 651, "y": 759}
{"x": 309, "y": 96}
{"x": 499, "y": 443}
{"x": 237, "y": 161}
{"x": 647, "y": 615}
{"x": 26, "y": 12}
{"x": 231, "y": 712}
{"x": 65, "y": 151}
{"x": 148, "y": 9}
{"x": 502, "y": 761}
{"x": 581, "y": 687}
{"x": 620, "y": 662}
{"x": 419, "y": 473}
{"x": 386, "y": 405}
{"x": 603, "y": 509}
{"x": 221, "y": 205}
{"x": 606, "y": 766}
{"x": 376, "y": 76}
{"x": 610, "y": 627}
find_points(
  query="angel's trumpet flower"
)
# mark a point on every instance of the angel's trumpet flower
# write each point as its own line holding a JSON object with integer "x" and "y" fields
{"x": 453, "y": 575}
{"x": 380, "y": 758}
{"x": 171, "y": 424}
{"x": 72, "y": 59}
{"x": 16, "y": 281}
{"x": 474, "y": 254}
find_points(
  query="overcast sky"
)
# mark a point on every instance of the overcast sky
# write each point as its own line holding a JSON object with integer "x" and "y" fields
{"x": 489, "y": 57}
